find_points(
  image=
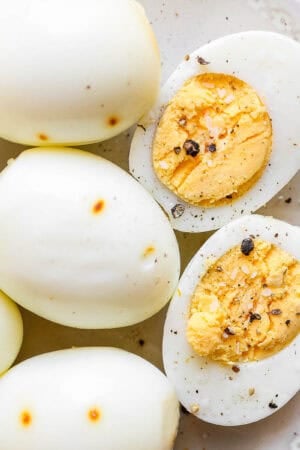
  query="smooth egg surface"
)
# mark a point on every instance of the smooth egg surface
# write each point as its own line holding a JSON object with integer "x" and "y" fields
{"x": 11, "y": 332}
{"x": 87, "y": 398}
{"x": 218, "y": 144}
{"x": 250, "y": 367}
{"x": 83, "y": 244}
{"x": 74, "y": 72}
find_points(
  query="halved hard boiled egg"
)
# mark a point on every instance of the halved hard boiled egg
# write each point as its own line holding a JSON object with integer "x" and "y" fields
{"x": 82, "y": 243}
{"x": 224, "y": 137}
{"x": 74, "y": 72}
{"x": 87, "y": 399}
{"x": 231, "y": 338}
{"x": 11, "y": 332}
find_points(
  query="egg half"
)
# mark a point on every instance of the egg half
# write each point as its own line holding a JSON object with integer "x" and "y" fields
{"x": 11, "y": 332}
{"x": 74, "y": 72}
{"x": 87, "y": 398}
{"x": 223, "y": 138}
{"x": 231, "y": 337}
{"x": 83, "y": 244}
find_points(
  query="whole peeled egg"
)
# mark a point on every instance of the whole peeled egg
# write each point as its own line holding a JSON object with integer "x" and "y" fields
{"x": 74, "y": 72}
{"x": 87, "y": 398}
{"x": 83, "y": 244}
{"x": 11, "y": 332}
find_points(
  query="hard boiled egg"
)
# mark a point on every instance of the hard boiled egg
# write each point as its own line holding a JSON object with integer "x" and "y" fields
{"x": 88, "y": 398}
{"x": 76, "y": 71}
{"x": 231, "y": 338}
{"x": 224, "y": 136}
{"x": 11, "y": 332}
{"x": 82, "y": 243}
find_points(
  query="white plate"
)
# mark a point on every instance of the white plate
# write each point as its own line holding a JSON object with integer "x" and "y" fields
{"x": 181, "y": 26}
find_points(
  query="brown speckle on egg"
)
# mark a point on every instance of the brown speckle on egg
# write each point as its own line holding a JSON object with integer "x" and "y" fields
{"x": 113, "y": 121}
{"x": 98, "y": 206}
{"x": 43, "y": 137}
{"x": 148, "y": 251}
{"x": 94, "y": 415}
{"x": 26, "y": 418}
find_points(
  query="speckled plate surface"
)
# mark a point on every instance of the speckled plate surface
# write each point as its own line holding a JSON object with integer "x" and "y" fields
{"x": 182, "y": 26}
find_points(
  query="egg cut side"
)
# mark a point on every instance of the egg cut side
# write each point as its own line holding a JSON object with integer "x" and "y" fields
{"x": 96, "y": 251}
{"x": 224, "y": 390}
{"x": 75, "y": 78}
{"x": 94, "y": 398}
{"x": 223, "y": 177}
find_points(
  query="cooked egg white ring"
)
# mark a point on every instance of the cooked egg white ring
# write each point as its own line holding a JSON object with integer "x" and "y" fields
{"x": 210, "y": 390}
{"x": 270, "y": 63}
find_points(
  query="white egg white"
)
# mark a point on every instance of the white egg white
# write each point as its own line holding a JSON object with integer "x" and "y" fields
{"x": 74, "y": 71}
{"x": 87, "y": 399}
{"x": 270, "y": 63}
{"x": 208, "y": 389}
{"x": 11, "y": 332}
{"x": 83, "y": 244}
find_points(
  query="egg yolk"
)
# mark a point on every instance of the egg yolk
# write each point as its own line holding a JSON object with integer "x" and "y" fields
{"x": 213, "y": 141}
{"x": 246, "y": 306}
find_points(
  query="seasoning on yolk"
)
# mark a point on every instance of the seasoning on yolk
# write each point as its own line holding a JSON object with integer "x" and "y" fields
{"x": 231, "y": 130}
{"x": 231, "y": 314}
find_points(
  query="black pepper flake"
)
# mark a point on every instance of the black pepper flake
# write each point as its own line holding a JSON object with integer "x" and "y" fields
{"x": 276, "y": 235}
{"x": 229, "y": 331}
{"x": 184, "y": 410}
{"x": 276, "y": 312}
{"x": 254, "y": 316}
{"x": 235, "y": 369}
{"x": 177, "y": 211}
{"x": 191, "y": 147}
{"x": 247, "y": 246}
{"x": 287, "y": 322}
{"x": 272, "y": 405}
{"x": 219, "y": 269}
{"x": 141, "y": 342}
{"x": 229, "y": 196}
{"x": 202, "y": 61}
{"x": 288, "y": 200}
{"x": 177, "y": 150}
{"x": 212, "y": 148}
{"x": 139, "y": 125}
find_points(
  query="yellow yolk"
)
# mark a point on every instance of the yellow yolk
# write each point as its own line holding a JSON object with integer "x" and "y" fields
{"x": 246, "y": 308}
{"x": 231, "y": 136}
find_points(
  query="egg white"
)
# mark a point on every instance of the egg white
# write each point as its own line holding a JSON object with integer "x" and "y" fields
{"x": 270, "y": 63}
{"x": 57, "y": 390}
{"x": 201, "y": 382}
{"x": 68, "y": 264}
{"x": 11, "y": 332}
{"x": 74, "y": 71}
